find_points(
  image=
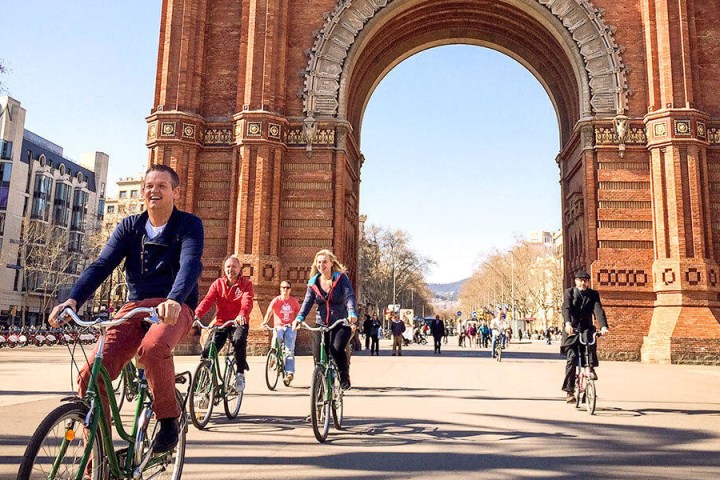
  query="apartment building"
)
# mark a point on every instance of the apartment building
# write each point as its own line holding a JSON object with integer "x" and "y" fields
{"x": 50, "y": 208}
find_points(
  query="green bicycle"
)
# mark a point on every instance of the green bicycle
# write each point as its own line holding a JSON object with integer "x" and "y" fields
{"x": 75, "y": 440}
{"x": 326, "y": 397}
{"x": 275, "y": 362}
{"x": 206, "y": 388}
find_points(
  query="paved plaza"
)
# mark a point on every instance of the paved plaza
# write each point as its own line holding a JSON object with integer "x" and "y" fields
{"x": 427, "y": 416}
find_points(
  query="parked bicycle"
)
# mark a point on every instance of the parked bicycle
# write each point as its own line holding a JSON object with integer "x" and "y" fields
{"x": 75, "y": 440}
{"x": 326, "y": 397}
{"x": 275, "y": 361}
{"x": 210, "y": 386}
{"x": 585, "y": 389}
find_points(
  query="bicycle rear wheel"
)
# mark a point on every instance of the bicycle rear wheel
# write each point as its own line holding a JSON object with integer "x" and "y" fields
{"x": 337, "y": 404}
{"x": 202, "y": 394}
{"x": 232, "y": 399}
{"x": 272, "y": 372}
{"x": 319, "y": 406}
{"x": 119, "y": 387}
{"x": 590, "y": 397}
{"x": 60, "y": 440}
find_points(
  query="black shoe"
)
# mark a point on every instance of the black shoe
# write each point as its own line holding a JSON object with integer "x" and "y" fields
{"x": 345, "y": 381}
{"x": 167, "y": 437}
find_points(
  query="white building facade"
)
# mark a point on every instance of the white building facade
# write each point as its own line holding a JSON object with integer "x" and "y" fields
{"x": 42, "y": 190}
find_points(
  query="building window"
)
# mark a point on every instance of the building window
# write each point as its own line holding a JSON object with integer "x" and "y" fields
{"x": 123, "y": 193}
{"x": 5, "y": 173}
{"x": 2, "y": 224}
{"x": 111, "y": 209}
{"x": 134, "y": 193}
{"x": 41, "y": 197}
{"x": 61, "y": 206}
{"x": 101, "y": 209}
{"x": 75, "y": 244}
{"x": 6, "y": 149}
{"x": 79, "y": 209}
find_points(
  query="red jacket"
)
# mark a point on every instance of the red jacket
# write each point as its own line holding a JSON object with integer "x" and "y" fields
{"x": 232, "y": 301}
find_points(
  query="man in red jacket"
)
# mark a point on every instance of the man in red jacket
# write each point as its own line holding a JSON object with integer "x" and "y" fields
{"x": 234, "y": 297}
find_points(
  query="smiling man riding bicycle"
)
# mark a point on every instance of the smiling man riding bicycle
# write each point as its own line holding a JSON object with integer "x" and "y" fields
{"x": 162, "y": 248}
{"x": 580, "y": 303}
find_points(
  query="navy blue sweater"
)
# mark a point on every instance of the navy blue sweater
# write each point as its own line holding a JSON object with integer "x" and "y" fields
{"x": 167, "y": 266}
{"x": 338, "y": 303}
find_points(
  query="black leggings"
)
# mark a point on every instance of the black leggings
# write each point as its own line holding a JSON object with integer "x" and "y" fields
{"x": 239, "y": 342}
{"x": 335, "y": 341}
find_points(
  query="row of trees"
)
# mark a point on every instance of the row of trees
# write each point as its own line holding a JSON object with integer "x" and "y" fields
{"x": 391, "y": 272}
{"x": 528, "y": 276}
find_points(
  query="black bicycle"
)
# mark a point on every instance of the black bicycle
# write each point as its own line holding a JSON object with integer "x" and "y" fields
{"x": 585, "y": 389}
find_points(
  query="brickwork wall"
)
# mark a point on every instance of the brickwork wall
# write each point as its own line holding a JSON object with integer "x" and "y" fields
{"x": 641, "y": 212}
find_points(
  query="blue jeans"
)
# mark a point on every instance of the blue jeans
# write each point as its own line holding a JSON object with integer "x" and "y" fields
{"x": 286, "y": 337}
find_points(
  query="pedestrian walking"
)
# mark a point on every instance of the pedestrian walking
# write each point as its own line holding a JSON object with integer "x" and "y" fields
{"x": 397, "y": 327}
{"x": 375, "y": 333}
{"x": 437, "y": 329}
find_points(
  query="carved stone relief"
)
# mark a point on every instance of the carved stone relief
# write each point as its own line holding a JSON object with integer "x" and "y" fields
{"x": 594, "y": 41}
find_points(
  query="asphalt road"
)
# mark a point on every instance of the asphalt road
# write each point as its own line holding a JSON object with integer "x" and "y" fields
{"x": 427, "y": 416}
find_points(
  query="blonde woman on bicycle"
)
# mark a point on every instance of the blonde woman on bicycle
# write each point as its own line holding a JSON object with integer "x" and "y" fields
{"x": 330, "y": 288}
{"x": 283, "y": 309}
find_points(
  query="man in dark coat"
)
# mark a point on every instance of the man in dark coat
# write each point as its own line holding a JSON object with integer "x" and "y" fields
{"x": 367, "y": 327}
{"x": 437, "y": 328}
{"x": 580, "y": 303}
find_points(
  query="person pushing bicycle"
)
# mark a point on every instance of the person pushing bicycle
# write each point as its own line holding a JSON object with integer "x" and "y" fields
{"x": 283, "y": 309}
{"x": 580, "y": 303}
{"x": 234, "y": 296}
{"x": 331, "y": 289}
{"x": 162, "y": 248}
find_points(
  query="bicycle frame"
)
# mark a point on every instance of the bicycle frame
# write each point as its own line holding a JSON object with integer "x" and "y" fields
{"x": 584, "y": 360}
{"x": 213, "y": 355}
{"x": 96, "y": 417}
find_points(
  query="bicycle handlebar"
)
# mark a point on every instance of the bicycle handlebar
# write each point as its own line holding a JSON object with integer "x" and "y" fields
{"x": 341, "y": 322}
{"x": 101, "y": 323}
{"x": 594, "y": 338}
{"x": 231, "y": 323}
{"x": 265, "y": 326}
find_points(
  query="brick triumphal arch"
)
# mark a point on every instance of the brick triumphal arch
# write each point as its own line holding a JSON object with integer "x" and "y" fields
{"x": 259, "y": 105}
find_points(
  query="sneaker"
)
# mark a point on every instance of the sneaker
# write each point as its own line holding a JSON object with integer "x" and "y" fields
{"x": 570, "y": 397}
{"x": 289, "y": 378}
{"x": 345, "y": 381}
{"x": 240, "y": 382}
{"x": 167, "y": 437}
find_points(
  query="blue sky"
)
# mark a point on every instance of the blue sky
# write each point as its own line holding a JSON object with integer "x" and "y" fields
{"x": 459, "y": 141}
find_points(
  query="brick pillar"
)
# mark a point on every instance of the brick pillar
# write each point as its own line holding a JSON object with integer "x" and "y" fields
{"x": 684, "y": 326}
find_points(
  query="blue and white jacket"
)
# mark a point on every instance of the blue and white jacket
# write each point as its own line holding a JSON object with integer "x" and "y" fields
{"x": 334, "y": 305}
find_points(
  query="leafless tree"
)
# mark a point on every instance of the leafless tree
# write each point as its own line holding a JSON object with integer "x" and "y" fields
{"x": 387, "y": 260}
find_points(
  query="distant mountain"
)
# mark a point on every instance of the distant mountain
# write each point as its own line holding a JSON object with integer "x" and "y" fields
{"x": 447, "y": 291}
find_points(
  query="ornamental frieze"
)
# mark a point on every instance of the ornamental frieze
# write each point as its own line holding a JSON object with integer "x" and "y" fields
{"x": 298, "y": 136}
{"x": 714, "y": 135}
{"x": 218, "y": 136}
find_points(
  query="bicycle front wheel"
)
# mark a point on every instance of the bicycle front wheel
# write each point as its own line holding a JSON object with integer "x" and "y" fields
{"x": 233, "y": 398}
{"x": 168, "y": 465}
{"x": 590, "y": 397}
{"x": 498, "y": 353}
{"x": 57, "y": 447}
{"x": 202, "y": 394}
{"x": 319, "y": 406}
{"x": 337, "y": 405}
{"x": 272, "y": 372}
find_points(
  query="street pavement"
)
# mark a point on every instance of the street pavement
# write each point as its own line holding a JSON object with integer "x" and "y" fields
{"x": 427, "y": 416}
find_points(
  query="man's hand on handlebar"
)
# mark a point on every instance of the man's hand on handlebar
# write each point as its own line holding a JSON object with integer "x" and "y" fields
{"x": 56, "y": 322}
{"x": 169, "y": 311}
{"x": 604, "y": 331}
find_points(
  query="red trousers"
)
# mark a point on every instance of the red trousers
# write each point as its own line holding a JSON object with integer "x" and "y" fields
{"x": 154, "y": 347}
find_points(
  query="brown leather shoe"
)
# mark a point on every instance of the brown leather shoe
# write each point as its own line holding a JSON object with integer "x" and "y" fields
{"x": 570, "y": 397}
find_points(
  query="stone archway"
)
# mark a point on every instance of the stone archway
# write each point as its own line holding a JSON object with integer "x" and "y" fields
{"x": 259, "y": 105}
